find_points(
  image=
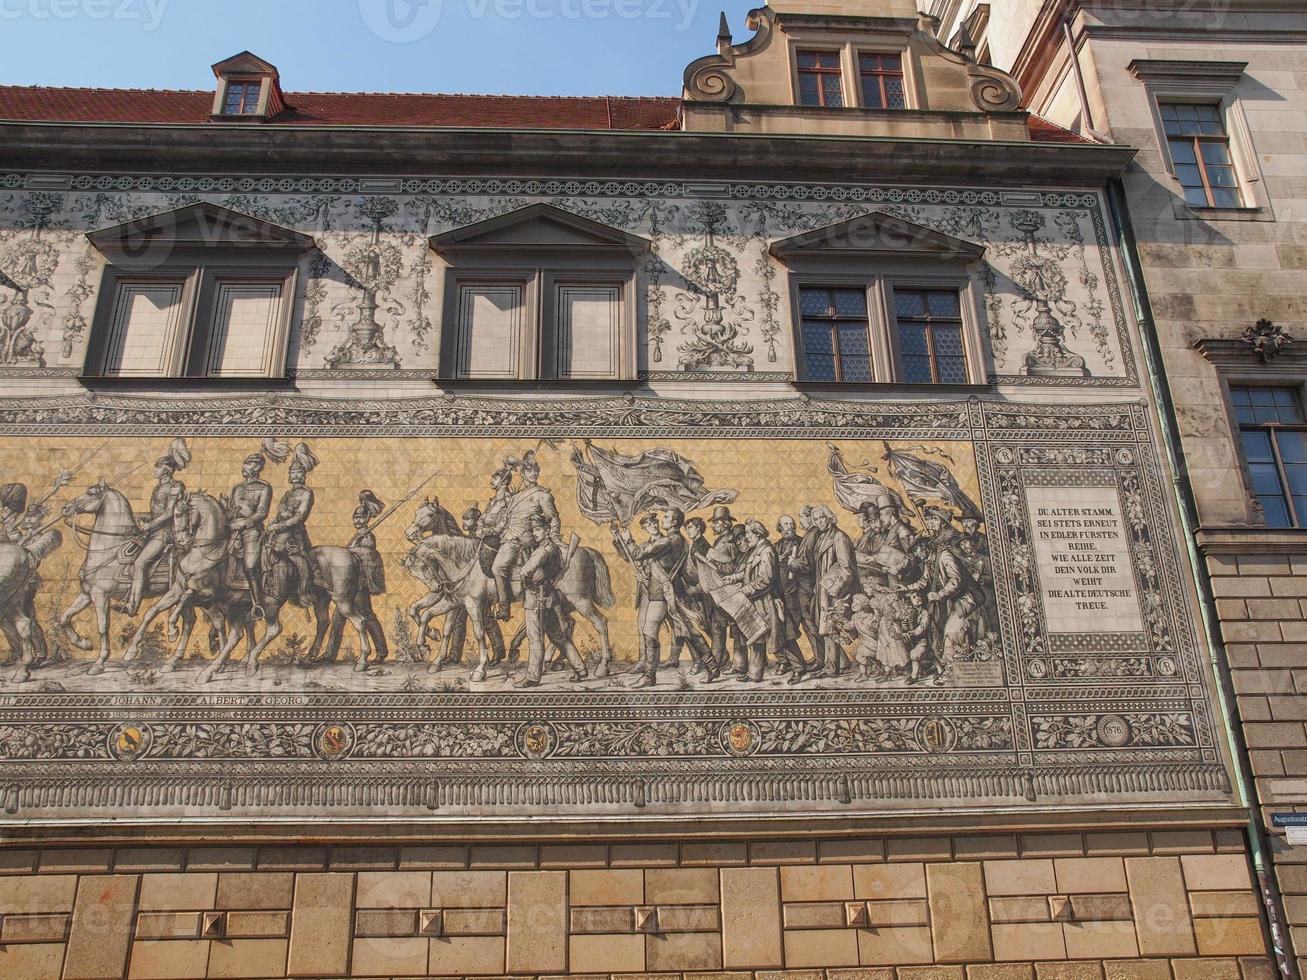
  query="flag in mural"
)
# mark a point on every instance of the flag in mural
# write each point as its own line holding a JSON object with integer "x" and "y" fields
{"x": 926, "y": 479}
{"x": 855, "y": 489}
{"x": 612, "y": 485}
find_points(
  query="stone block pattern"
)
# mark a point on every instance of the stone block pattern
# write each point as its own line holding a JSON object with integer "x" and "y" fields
{"x": 1141, "y": 905}
{"x": 1261, "y": 600}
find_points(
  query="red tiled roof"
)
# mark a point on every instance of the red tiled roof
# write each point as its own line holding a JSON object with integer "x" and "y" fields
{"x": 1043, "y": 131}
{"x": 346, "y": 109}
{"x": 93, "y": 105}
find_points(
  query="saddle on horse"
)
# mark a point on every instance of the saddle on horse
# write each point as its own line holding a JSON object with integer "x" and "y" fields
{"x": 157, "y": 576}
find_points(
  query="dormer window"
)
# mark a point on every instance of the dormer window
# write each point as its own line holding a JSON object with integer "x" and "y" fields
{"x": 821, "y": 78}
{"x": 882, "y": 81}
{"x": 242, "y": 98}
{"x": 249, "y": 90}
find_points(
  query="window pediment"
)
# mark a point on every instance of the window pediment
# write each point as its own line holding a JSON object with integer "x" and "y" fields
{"x": 537, "y": 228}
{"x": 198, "y": 226}
{"x": 876, "y": 234}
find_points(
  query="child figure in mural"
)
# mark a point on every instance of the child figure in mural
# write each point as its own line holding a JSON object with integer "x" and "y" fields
{"x": 864, "y": 631}
{"x": 916, "y": 626}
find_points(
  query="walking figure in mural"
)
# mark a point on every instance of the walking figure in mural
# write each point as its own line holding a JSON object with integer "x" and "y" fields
{"x": 23, "y": 545}
{"x": 370, "y": 512}
{"x": 546, "y": 611}
{"x": 248, "y": 507}
{"x": 157, "y": 528}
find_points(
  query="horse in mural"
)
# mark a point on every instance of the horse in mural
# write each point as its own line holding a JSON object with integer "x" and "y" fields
{"x": 105, "y": 574}
{"x": 199, "y": 581}
{"x": 456, "y": 559}
{"x": 204, "y": 580}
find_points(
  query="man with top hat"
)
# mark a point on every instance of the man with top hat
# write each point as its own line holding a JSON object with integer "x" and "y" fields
{"x": 726, "y": 554}
{"x": 288, "y": 537}
{"x": 788, "y": 547}
{"x": 664, "y": 557}
{"x": 529, "y": 501}
{"x": 546, "y": 616}
{"x": 837, "y": 580}
{"x": 953, "y": 590}
{"x": 248, "y": 507}
{"x": 157, "y": 528}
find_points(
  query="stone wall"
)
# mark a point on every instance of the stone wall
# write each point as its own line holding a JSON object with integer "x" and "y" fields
{"x": 1261, "y": 600}
{"x": 1119, "y": 905}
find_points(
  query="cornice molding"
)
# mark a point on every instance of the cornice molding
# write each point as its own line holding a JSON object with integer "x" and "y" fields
{"x": 1163, "y": 70}
{"x": 270, "y": 149}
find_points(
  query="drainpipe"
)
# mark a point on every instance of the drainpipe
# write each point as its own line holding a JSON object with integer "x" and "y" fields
{"x": 1078, "y": 74}
{"x": 1268, "y": 889}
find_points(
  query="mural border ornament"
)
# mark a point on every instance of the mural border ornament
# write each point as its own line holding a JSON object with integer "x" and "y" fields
{"x": 454, "y": 754}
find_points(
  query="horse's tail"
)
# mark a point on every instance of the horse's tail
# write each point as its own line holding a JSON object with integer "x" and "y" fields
{"x": 603, "y": 587}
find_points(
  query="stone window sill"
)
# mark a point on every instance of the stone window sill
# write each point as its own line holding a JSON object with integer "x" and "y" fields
{"x": 1246, "y": 538}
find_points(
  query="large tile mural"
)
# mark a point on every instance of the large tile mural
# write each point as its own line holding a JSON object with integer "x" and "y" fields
{"x": 444, "y": 607}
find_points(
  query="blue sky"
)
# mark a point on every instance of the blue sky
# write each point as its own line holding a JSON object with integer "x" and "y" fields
{"x": 550, "y": 47}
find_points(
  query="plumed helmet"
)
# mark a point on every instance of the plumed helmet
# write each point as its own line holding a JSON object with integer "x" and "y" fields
{"x": 370, "y": 505}
{"x": 303, "y": 459}
{"x": 178, "y": 456}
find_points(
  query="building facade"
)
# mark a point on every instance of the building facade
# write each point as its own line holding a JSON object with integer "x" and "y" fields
{"x": 731, "y": 534}
{"x": 1212, "y": 99}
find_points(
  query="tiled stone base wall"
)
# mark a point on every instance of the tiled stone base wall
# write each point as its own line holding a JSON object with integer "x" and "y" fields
{"x": 1262, "y": 603}
{"x": 1094, "y": 906}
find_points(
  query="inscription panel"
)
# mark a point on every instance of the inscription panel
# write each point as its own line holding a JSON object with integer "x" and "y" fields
{"x": 1083, "y": 560}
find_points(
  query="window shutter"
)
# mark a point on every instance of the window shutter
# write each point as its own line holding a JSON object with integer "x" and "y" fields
{"x": 244, "y": 330}
{"x": 589, "y": 321}
{"x": 144, "y": 331}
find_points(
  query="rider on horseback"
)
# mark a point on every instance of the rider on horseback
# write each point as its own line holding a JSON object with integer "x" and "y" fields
{"x": 529, "y": 501}
{"x": 247, "y": 509}
{"x": 157, "y": 528}
{"x": 287, "y": 536}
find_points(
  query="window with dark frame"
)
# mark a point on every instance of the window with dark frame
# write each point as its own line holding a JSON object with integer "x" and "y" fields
{"x": 928, "y": 325}
{"x": 836, "y": 335}
{"x": 242, "y": 98}
{"x": 1274, "y": 437}
{"x": 821, "y": 79}
{"x": 882, "y": 81}
{"x": 1200, "y": 152}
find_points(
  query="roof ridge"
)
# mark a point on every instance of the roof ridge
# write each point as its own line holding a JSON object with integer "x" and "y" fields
{"x": 99, "y": 88}
{"x": 289, "y": 92}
